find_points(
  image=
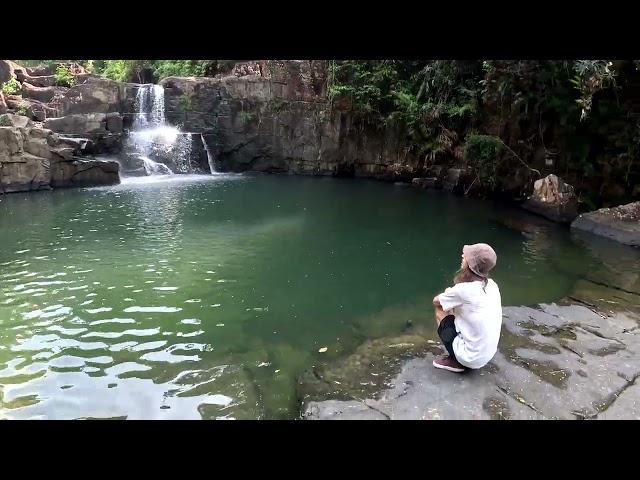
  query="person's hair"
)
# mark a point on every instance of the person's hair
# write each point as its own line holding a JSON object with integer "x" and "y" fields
{"x": 466, "y": 275}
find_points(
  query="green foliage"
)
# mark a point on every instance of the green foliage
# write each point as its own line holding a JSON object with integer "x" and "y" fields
{"x": 5, "y": 121}
{"x": 11, "y": 87}
{"x": 484, "y": 153}
{"x": 132, "y": 70}
{"x": 64, "y": 77}
{"x": 276, "y": 105}
{"x": 431, "y": 98}
{"x": 24, "y": 111}
{"x": 247, "y": 117}
{"x": 591, "y": 77}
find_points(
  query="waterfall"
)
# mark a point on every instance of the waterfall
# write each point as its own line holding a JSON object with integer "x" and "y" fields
{"x": 151, "y": 138}
{"x": 212, "y": 167}
{"x": 155, "y": 168}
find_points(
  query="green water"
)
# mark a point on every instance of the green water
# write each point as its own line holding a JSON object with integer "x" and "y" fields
{"x": 204, "y": 297}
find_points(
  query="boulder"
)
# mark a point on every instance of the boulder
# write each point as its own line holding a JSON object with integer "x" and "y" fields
{"x": 78, "y": 172}
{"x": 20, "y": 169}
{"x": 42, "y": 70}
{"x": 43, "y": 94}
{"x": 114, "y": 122}
{"x": 33, "y": 109}
{"x": 621, "y": 223}
{"x": 8, "y": 70}
{"x": 79, "y": 124}
{"x": 554, "y": 199}
{"x": 11, "y": 120}
{"x": 452, "y": 179}
{"x": 38, "y": 81}
{"x": 98, "y": 95}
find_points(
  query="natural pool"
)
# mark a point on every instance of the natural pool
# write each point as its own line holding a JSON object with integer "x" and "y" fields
{"x": 205, "y": 296}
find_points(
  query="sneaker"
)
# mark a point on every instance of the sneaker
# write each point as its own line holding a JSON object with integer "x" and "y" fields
{"x": 449, "y": 363}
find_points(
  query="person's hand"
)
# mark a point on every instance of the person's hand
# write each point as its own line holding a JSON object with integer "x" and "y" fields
{"x": 436, "y": 302}
{"x": 440, "y": 314}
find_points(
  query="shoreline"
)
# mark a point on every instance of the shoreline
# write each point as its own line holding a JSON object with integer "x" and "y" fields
{"x": 560, "y": 360}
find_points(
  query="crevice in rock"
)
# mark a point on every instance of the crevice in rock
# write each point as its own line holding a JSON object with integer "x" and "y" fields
{"x": 612, "y": 287}
{"x": 610, "y": 400}
{"x": 590, "y": 306}
{"x": 372, "y": 408}
{"x": 593, "y": 331}
{"x": 566, "y": 347}
{"x": 519, "y": 399}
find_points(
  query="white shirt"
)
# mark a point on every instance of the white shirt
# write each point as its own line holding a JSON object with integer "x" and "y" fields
{"x": 478, "y": 320}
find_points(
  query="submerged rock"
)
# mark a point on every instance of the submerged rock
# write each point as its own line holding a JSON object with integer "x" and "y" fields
{"x": 621, "y": 223}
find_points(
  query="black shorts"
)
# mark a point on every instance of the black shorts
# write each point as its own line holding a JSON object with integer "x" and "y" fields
{"x": 447, "y": 332}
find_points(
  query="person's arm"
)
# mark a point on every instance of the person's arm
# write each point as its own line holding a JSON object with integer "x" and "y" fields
{"x": 449, "y": 299}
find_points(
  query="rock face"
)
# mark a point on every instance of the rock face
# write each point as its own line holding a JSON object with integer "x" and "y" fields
{"x": 275, "y": 117}
{"x": 42, "y": 94}
{"x": 85, "y": 173}
{"x": 78, "y": 123}
{"x": 621, "y": 223}
{"x": 3, "y": 104}
{"x": 8, "y": 70}
{"x": 553, "y": 199}
{"x": 33, "y": 158}
{"x": 554, "y": 362}
{"x": 98, "y": 95}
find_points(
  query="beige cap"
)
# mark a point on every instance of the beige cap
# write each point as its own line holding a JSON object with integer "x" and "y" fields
{"x": 480, "y": 257}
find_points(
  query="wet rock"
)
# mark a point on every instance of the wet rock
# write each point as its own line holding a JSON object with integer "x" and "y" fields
{"x": 33, "y": 158}
{"x": 553, "y": 199}
{"x": 19, "y": 169}
{"x": 114, "y": 122}
{"x": 452, "y": 179}
{"x": 426, "y": 182}
{"x": 78, "y": 144}
{"x": 621, "y": 223}
{"x": 79, "y": 172}
{"x": 554, "y": 361}
{"x": 365, "y": 372}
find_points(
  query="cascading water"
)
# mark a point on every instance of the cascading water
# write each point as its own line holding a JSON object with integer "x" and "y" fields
{"x": 210, "y": 159}
{"x": 150, "y": 135}
{"x": 155, "y": 168}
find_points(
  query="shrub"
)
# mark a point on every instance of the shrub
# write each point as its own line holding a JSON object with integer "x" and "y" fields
{"x": 64, "y": 77}
{"x": 11, "y": 87}
{"x": 24, "y": 111}
{"x": 484, "y": 152}
{"x": 5, "y": 121}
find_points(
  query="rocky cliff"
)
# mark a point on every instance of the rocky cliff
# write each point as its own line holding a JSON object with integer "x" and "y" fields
{"x": 49, "y": 134}
{"x": 35, "y": 158}
{"x": 274, "y": 116}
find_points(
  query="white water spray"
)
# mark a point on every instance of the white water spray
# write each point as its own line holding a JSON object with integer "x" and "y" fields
{"x": 151, "y": 136}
